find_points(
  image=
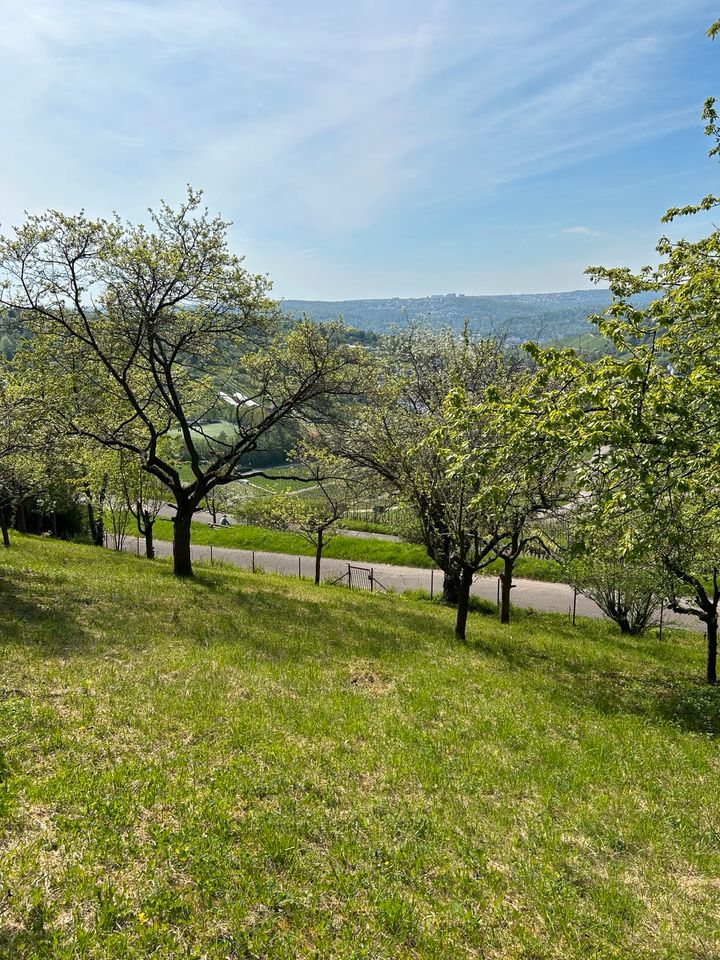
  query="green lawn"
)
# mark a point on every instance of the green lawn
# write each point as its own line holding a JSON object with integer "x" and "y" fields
{"x": 247, "y": 766}
{"x": 278, "y": 541}
{"x": 340, "y": 547}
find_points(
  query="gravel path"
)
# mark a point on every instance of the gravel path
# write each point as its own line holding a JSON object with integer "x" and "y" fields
{"x": 528, "y": 594}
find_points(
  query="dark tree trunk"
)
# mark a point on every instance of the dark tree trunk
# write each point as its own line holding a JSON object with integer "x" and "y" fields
{"x": 506, "y": 582}
{"x": 708, "y": 604}
{"x": 20, "y": 518}
{"x": 451, "y": 584}
{"x": 463, "y": 604}
{"x": 182, "y": 561}
{"x": 318, "y": 556}
{"x": 4, "y": 525}
{"x": 149, "y": 544}
{"x": 145, "y": 525}
{"x": 96, "y": 526}
{"x": 712, "y": 627}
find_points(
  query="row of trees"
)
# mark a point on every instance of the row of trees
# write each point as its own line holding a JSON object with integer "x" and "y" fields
{"x": 139, "y": 336}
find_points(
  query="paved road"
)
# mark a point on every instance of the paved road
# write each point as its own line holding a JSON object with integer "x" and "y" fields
{"x": 527, "y": 594}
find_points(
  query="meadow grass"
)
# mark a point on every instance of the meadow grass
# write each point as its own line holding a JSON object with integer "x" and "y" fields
{"x": 365, "y": 526}
{"x": 249, "y": 766}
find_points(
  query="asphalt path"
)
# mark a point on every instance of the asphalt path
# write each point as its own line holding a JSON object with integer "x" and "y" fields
{"x": 526, "y": 594}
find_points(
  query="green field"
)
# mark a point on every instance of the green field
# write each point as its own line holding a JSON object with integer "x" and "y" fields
{"x": 259, "y": 484}
{"x": 247, "y": 766}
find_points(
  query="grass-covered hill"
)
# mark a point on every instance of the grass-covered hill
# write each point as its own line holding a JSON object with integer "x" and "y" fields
{"x": 244, "y": 766}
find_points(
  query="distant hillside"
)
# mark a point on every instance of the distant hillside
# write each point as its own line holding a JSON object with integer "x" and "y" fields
{"x": 536, "y": 316}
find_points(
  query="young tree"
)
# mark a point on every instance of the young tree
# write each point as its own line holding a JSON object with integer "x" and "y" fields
{"x": 511, "y": 471}
{"x": 137, "y": 331}
{"x": 315, "y": 512}
{"x": 383, "y": 436}
{"x": 626, "y": 582}
{"x": 143, "y": 495}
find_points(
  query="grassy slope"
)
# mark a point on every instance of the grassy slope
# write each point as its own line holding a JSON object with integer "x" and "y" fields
{"x": 344, "y": 548}
{"x": 248, "y": 766}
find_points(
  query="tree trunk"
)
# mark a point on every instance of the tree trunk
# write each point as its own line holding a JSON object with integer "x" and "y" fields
{"x": 506, "y": 578}
{"x": 20, "y": 518}
{"x": 451, "y": 585}
{"x": 149, "y": 545}
{"x": 463, "y": 604}
{"x": 318, "y": 556}
{"x": 91, "y": 520}
{"x": 96, "y": 526}
{"x": 182, "y": 561}
{"x": 4, "y": 527}
{"x": 712, "y": 626}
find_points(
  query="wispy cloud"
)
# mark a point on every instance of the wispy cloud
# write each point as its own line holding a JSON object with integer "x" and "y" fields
{"x": 313, "y": 123}
{"x": 583, "y": 231}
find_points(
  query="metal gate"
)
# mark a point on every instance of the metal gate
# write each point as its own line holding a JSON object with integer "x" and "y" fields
{"x": 360, "y": 578}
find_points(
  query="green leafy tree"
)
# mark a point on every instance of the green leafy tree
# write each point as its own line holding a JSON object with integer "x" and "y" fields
{"x": 504, "y": 474}
{"x": 144, "y": 495}
{"x": 384, "y": 437}
{"x": 315, "y": 512}
{"x": 138, "y": 332}
{"x": 626, "y": 582}
{"x": 32, "y": 465}
{"x": 649, "y": 414}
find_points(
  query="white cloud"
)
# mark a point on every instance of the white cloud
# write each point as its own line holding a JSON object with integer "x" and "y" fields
{"x": 312, "y": 121}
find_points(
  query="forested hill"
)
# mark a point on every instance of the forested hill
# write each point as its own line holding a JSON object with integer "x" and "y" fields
{"x": 541, "y": 316}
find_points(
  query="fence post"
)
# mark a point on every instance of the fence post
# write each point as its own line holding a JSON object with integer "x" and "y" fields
{"x": 662, "y": 610}
{"x": 253, "y": 561}
{"x": 498, "y": 593}
{"x": 574, "y": 605}
{"x": 138, "y": 546}
{"x": 432, "y": 579}
{"x": 372, "y": 579}
{"x": 299, "y": 570}
{"x": 349, "y": 578}
{"x": 105, "y": 539}
{"x": 211, "y": 554}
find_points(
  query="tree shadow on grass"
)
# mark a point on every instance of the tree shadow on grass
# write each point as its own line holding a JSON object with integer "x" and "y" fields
{"x": 357, "y": 627}
{"x": 330, "y": 621}
{"x": 40, "y": 618}
{"x": 584, "y": 679}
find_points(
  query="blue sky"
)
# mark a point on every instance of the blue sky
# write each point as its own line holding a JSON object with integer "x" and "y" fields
{"x": 375, "y": 148}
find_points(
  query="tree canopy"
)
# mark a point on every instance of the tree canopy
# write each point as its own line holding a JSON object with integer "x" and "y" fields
{"x": 142, "y": 331}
